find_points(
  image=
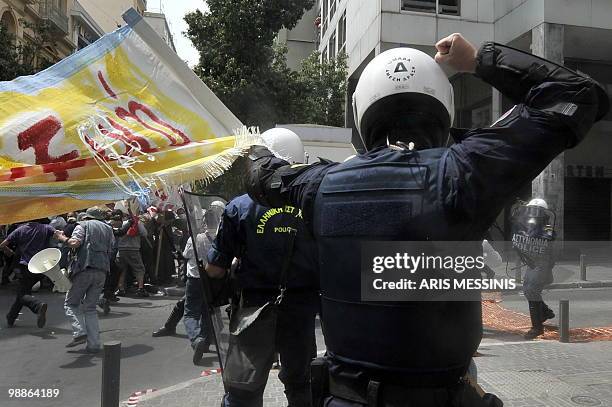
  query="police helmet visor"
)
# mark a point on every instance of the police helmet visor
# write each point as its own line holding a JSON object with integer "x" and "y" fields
{"x": 534, "y": 215}
{"x": 406, "y": 117}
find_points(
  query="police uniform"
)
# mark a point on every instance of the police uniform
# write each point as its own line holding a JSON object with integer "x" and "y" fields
{"x": 539, "y": 260}
{"x": 388, "y": 354}
{"x": 532, "y": 239}
{"x": 258, "y": 236}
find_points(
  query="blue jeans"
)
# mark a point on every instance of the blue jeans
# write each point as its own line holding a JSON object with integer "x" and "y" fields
{"x": 195, "y": 324}
{"x": 80, "y": 305}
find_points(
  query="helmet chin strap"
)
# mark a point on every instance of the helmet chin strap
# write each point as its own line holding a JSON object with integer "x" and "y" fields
{"x": 410, "y": 146}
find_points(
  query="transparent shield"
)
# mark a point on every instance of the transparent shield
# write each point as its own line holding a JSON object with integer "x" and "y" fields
{"x": 204, "y": 214}
{"x": 533, "y": 233}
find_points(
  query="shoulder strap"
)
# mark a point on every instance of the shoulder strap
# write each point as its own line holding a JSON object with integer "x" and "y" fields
{"x": 287, "y": 261}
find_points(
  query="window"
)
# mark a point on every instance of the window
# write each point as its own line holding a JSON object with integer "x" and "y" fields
{"x": 8, "y": 21}
{"x": 342, "y": 33}
{"x": 332, "y": 46}
{"x": 450, "y": 7}
{"x": 447, "y": 7}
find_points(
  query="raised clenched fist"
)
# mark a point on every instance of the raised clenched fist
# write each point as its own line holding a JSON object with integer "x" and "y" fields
{"x": 457, "y": 53}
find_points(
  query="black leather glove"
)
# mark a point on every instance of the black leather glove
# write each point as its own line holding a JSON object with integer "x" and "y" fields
{"x": 262, "y": 176}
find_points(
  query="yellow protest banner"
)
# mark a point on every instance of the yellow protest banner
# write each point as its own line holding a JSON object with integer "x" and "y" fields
{"x": 115, "y": 119}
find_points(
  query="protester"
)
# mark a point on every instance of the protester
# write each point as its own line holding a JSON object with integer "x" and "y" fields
{"x": 147, "y": 245}
{"x": 165, "y": 249}
{"x": 112, "y": 279}
{"x": 175, "y": 316}
{"x": 196, "y": 323}
{"x": 93, "y": 240}
{"x": 129, "y": 257}
{"x": 71, "y": 223}
{"x": 57, "y": 222}
{"x": 29, "y": 239}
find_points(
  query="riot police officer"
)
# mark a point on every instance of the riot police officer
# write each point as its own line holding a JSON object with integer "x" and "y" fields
{"x": 532, "y": 237}
{"x": 407, "y": 186}
{"x": 258, "y": 236}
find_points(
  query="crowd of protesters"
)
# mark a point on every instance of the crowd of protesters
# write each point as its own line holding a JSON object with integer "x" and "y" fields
{"x": 146, "y": 255}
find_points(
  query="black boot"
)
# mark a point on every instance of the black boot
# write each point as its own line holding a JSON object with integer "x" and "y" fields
{"x": 535, "y": 312}
{"x": 169, "y": 327}
{"x": 547, "y": 313}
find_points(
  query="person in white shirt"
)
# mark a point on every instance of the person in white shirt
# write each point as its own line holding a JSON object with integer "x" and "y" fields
{"x": 195, "y": 324}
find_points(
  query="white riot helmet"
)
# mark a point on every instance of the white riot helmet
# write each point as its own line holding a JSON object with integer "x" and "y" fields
{"x": 539, "y": 202}
{"x": 537, "y": 212}
{"x": 285, "y": 144}
{"x": 217, "y": 205}
{"x": 403, "y": 95}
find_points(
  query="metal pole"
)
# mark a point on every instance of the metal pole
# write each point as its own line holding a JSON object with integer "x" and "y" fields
{"x": 111, "y": 372}
{"x": 564, "y": 321}
{"x": 159, "y": 243}
{"x": 583, "y": 267}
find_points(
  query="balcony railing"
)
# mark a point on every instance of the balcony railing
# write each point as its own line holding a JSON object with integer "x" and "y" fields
{"x": 50, "y": 12}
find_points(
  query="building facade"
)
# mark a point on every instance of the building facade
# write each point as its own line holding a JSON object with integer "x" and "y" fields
{"x": 70, "y": 25}
{"x": 578, "y": 33}
{"x": 85, "y": 29}
{"x": 107, "y": 13}
{"x": 21, "y": 16}
{"x": 333, "y": 143}
{"x": 302, "y": 40}
{"x": 159, "y": 23}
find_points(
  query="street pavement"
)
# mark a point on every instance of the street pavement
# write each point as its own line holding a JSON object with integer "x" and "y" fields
{"x": 539, "y": 373}
{"x": 522, "y": 373}
{"x": 36, "y": 358}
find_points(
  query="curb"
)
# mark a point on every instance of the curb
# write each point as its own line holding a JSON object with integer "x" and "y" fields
{"x": 135, "y": 397}
{"x": 154, "y": 393}
{"x": 562, "y": 286}
{"x": 174, "y": 291}
{"x": 575, "y": 284}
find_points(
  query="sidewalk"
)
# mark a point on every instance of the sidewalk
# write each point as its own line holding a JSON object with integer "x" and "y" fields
{"x": 567, "y": 275}
{"x": 205, "y": 391}
{"x": 522, "y": 374}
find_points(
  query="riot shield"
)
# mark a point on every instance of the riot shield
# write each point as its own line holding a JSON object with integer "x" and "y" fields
{"x": 204, "y": 214}
{"x": 532, "y": 233}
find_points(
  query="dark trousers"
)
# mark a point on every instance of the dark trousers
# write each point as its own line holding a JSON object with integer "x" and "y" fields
{"x": 24, "y": 293}
{"x": 295, "y": 335}
{"x": 535, "y": 280}
{"x": 112, "y": 280}
{"x": 176, "y": 314}
{"x": 10, "y": 264}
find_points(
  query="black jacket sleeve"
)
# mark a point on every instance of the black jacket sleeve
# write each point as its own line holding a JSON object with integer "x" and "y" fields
{"x": 556, "y": 108}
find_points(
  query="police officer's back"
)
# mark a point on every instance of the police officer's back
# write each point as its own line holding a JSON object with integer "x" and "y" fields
{"x": 422, "y": 191}
{"x": 259, "y": 237}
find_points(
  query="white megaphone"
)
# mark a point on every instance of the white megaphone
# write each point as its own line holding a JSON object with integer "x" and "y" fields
{"x": 47, "y": 262}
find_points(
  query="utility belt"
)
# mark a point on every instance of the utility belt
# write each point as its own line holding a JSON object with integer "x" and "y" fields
{"x": 360, "y": 389}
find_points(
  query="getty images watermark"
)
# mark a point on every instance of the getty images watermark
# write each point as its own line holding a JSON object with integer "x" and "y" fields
{"x": 428, "y": 271}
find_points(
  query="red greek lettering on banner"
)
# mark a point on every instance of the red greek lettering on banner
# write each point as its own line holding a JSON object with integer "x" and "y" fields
{"x": 135, "y": 112}
{"x": 38, "y": 137}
